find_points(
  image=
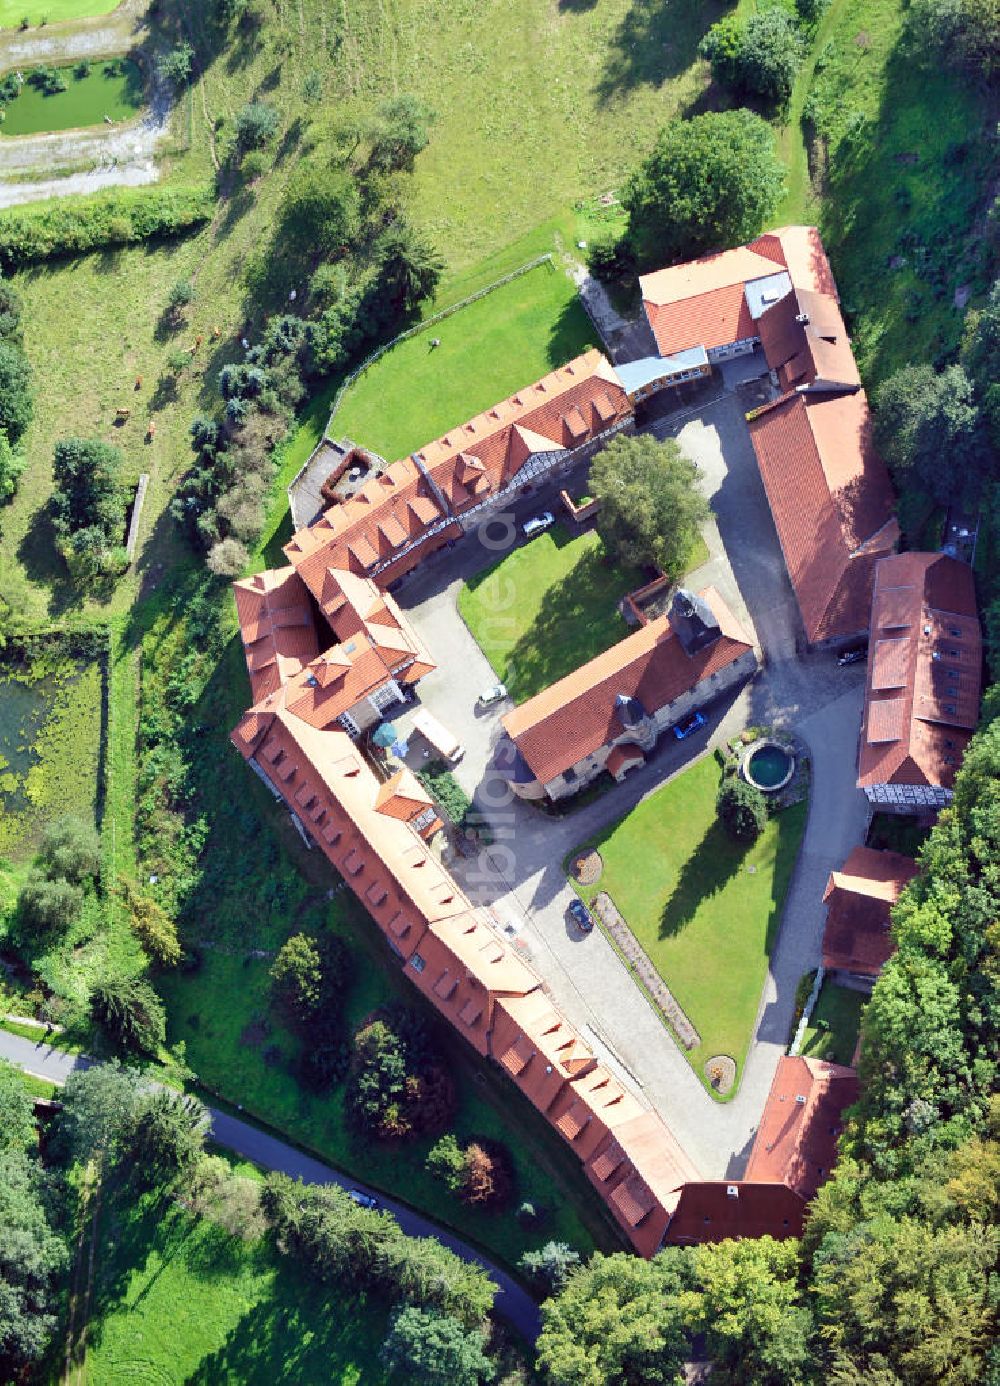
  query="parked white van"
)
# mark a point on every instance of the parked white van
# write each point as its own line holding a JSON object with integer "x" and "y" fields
{"x": 437, "y": 735}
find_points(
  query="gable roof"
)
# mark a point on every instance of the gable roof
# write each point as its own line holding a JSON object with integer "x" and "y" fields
{"x": 715, "y": 1210}
{"x": 859, "y": 900}
{"x": 924, "y": 671}
{"x": 703, "y": 302}
{"x": 276, "y": 627}
{"x": 580, "y": 713}
{"x": 796, "y": 1141}
{"x": 832, "y": 504}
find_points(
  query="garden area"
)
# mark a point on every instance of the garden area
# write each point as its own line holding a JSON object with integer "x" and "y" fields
{"x": 489, "y": 349}
{"x": 705, "y": 908}
{"x": 70, "y": 98}
{"x": 834, "y": 1026}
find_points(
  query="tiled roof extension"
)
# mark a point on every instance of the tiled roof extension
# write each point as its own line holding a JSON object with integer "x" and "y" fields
{"x": 859, "y": 898}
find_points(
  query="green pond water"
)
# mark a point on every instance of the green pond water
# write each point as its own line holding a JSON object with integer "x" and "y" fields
{"x": 769, "y": 766}
{"x": 113, "y": 89}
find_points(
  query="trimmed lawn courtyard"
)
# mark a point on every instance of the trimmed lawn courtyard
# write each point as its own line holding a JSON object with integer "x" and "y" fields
{"x": 546, "y": 608}
{"x": 705, "y": 909}
{"x": 832, "y": 1033}
{"x": 502, "y": 342}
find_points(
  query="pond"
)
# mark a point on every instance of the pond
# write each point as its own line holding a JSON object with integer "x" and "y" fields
{"x": 112, "y": 88}
{"x": 770, "y": 766}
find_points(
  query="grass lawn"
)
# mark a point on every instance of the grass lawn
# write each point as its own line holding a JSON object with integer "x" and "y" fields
{"x": 45, "y": 12}
{"x": 177, "y": 1300}
{"x": 705, "y": 909}
{"x": 489, "y": 349}
{"x": 86, "y": 100}
{"x": 548, "y": 607}
{"x": 832, "y": 1033}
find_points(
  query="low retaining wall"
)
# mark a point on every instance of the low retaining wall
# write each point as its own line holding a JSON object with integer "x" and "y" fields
{"x": 636, "y": 957}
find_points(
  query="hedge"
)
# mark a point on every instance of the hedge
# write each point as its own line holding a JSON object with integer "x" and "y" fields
{"x": 123, "y": 217}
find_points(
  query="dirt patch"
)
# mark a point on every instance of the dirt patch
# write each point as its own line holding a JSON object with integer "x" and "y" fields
{"x": 720, "y": 1070}
{"x": 587, "y": 868}
{"x": 636, "y": 957}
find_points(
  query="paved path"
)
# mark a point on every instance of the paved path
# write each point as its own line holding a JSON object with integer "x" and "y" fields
{"x": 512, "y": 1301}
{"x": 523, "y": 874}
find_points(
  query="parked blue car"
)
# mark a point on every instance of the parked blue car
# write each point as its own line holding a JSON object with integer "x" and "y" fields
{"x": 581, "y": 915}
{"x": 689, "y": 725}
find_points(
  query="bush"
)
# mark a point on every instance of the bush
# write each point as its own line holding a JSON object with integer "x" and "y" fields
{"x": 399, "y": 133}
{"x": 175, "y": 67}
{"x": 433, "y": 1349}
{"x": 73, "y": 226}
{"x": 256, "y": 123}
{"x": 480, "y": 1173}
{"x": 742, "y": 809}
{"x": 441, "y": 784}
{"x": 11, "y": 467}
{"x": 16, "y": 403}
{"x": 548, "y": 1269}
{"x": 45, "y": 903}
{"x": 89, "y": 496}
{"x": 180, "y": 295}
{"x": 227, "y": 558}
{"x": 71, "y": 850}
{"x": 308, "y": 980}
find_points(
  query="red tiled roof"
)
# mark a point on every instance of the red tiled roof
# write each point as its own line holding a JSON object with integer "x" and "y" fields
{"x": 924, "y": 671}
{"x": 702, "y": 302}
{"x": 796, "y": 1141}
{"x": 709, "y": 1211}
{"x": 859, "y": 898}
{"x": 832, "y": 504}
{"x": 276, "y": 627}
{"x": 577, "y": 715}
{"x": 626, "y": 754}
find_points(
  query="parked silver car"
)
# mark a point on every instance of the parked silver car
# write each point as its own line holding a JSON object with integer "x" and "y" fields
{"x": 489, "y": 696}
{"x": 537, "y": 523}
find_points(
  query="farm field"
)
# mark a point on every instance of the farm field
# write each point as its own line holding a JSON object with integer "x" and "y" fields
{"x": 108, "y": 90}
{"x": 709, "y": 914}
{"x": 488, "y": 350}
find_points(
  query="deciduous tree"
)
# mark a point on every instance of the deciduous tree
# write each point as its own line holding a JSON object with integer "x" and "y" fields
{"x": 741, "y": 809}
{"x": 426, "y": 1347}
{"x": 651, "y": 507}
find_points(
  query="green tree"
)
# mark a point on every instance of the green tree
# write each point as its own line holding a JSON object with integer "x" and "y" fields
{"x": 100, "y": 1105}
{"x": 928, "y": 428}
{"x": 151, "y": 924}
{"x": 618, "y": 1322}
{"x": 427, "y": 1347}
{"x": 131, "y": 1012}
{"x": 227, "y": 558}
{"x": 759, "y": 56}
{"x": 410, "y": 267}
{"x": 399, "y": 132}
{"x": 548, "y": 1268}
{"x": 175, "y": 67}
{"x": 297, "y": 977}
{"x": 70, "y": 850}
{"x": 319, "y": 213}
{"x": 256, "y": 124}
{"x": 11, "y": 310}
{"x": 33, "y": 1257}
{"x": 17, "y": 1114}
{"x": 16, "y": 401}
{"x": 741, "y": 809}
{"x": 89, "y": 492}
{"x": 750, "y": 1307}
{"x": 12, "y": 465}
{"x": 651, "y": 507}
{"x": 48, "y": 904}
{"x": 169, "y": 1139}
{"x": 710, "y": 182}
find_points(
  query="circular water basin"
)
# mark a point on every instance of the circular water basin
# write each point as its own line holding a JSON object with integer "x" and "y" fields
{"x": 769, "y": 766}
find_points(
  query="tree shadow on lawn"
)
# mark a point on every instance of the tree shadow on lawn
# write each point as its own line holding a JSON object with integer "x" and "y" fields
{"x": 655, "y": 41}
{"x": 577, "y": 620}
{"x": 291, "y": 1336}
{"x": 707, "y": 871}
{"x": 38, "y": 554}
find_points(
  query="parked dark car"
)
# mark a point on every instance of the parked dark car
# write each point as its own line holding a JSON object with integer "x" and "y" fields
{"x": 689, "y": 725}
{"x": 581, "y": 916}
{"x": 363, "y": 1200}
{"x": 854, "y": 655}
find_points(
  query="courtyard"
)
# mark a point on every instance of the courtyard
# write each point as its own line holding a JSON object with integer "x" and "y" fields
{"x": 704, "y": 908}
{"x": 832, "y": 1032}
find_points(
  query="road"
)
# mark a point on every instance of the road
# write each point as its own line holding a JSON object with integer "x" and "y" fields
{"x": 268, "y": 1152}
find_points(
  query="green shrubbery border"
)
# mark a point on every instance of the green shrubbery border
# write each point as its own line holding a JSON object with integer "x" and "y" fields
{"x": 48, "y": 230}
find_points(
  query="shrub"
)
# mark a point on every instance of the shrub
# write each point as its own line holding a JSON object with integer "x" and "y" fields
{"x": 308, "y": 978}
{"x": 759, "y": 56}
{"x": 548, "y": 1268}
{"x": 433, "y": 1349}
{"x": 480, "y": 1173}
{"x": 256, "y": 123}
{"x": 11, "y": 310}
{"x": 180, "y": 295}
{"x": 11, "y": 467}
{"x": 73, "y": 226}
{"x": 175, "y": 67}
{"x": 71, "y": 850}
{"x": 742, "y": 809}
{"x": 152, "y": 926}
{"x": 89, "y": 495}
{"x": 16, "y": 403}
{"x": 399, "y": 133}
{"x": 46, "y": 904}
{"x": 227, "y": 558}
